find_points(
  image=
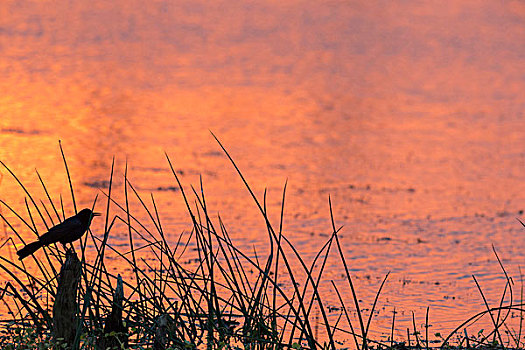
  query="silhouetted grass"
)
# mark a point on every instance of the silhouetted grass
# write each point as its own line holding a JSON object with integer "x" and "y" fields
{"x": 228, "y": 298}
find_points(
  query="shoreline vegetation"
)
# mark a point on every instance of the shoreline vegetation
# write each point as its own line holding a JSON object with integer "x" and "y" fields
{"x": 229, "y": 299}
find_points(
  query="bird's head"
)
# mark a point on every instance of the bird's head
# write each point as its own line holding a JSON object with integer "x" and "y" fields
{"x": 86, "y": 215}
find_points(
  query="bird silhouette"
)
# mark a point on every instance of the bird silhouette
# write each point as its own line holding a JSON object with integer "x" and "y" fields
{"x": 67, "y": 231}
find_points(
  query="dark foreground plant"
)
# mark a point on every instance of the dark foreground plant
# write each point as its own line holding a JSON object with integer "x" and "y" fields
{"x": 227, "y": 298}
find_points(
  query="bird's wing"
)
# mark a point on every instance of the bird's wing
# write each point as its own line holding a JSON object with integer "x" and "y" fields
{"x": 59, "y": 232}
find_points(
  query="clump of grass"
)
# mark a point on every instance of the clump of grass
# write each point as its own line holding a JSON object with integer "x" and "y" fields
{"x": 228, "y": 298}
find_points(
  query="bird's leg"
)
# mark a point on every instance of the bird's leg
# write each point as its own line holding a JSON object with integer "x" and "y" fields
{"x": 66, "y": 249}
{"x": 71, "y": 247}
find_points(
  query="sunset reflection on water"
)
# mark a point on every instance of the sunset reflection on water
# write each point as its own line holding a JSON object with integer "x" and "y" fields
{"x": 409, "y": 115}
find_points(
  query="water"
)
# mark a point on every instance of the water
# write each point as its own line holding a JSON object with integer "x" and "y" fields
{"x": 409, "y": 115}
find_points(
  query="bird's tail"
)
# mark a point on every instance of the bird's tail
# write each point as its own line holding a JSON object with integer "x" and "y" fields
{"x": 29, "y": 249}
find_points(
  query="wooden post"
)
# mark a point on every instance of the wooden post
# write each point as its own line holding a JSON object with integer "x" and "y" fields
{"x": 65, "y": 319}
{"x": 115, "y": 333}
{"x": 161, "y": 332}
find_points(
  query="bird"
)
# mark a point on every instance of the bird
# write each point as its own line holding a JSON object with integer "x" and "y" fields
{"x": 67, "y": 231}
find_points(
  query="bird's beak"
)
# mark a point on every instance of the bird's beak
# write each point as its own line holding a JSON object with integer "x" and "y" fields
{"x": 96, "y": 214}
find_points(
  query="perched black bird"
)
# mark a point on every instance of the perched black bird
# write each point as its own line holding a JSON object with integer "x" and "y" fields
{"x": 67, "y": 231}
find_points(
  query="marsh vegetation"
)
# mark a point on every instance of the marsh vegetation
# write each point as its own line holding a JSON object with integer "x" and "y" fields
{"x": 226, "y": 298}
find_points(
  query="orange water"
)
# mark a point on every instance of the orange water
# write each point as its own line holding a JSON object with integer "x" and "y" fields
{"x": 410, "y": 115}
